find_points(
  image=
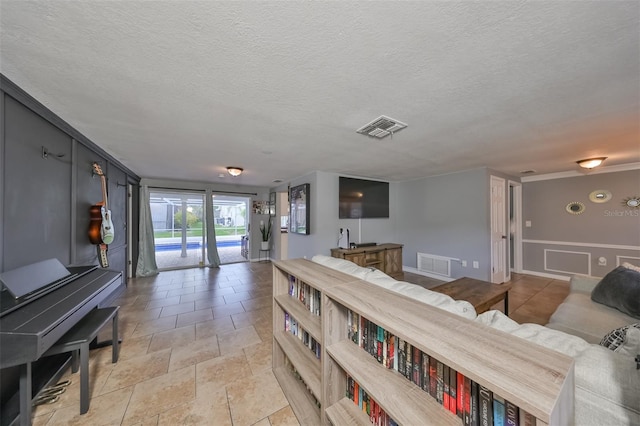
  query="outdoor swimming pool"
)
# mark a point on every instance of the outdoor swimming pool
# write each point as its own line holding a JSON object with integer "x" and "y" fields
{"x": 194, "y": 245}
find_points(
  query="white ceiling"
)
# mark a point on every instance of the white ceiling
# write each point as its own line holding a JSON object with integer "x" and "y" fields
{"x": 181, "y": 89}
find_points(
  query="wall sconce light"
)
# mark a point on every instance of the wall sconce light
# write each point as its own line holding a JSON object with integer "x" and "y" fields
{"x": 235, "y": 171}
{"x": 590, "y": 163}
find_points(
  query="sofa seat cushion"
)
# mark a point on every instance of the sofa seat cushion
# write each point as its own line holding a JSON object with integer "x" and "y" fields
{"x": 580, "y": 316}
{"x": 606, "y": 383}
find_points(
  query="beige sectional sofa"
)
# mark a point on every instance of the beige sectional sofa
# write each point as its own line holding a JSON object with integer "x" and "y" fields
{"x": 607, "y": 383}
{"x": 580, "y": 316}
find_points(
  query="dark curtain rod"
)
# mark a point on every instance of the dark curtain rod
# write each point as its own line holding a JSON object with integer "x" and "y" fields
{"x": 203, "y": 190}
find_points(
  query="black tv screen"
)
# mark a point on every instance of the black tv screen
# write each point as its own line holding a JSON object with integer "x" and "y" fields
{"x": 361, "y": 198}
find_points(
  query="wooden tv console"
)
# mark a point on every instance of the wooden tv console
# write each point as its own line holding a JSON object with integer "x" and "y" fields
{"x": 385, "y": 257}
{"x": 314, "y": 357}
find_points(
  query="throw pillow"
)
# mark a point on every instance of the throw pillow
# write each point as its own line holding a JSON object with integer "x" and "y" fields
{"x": 625, "y": 340}
{"x": 619, "y": 289}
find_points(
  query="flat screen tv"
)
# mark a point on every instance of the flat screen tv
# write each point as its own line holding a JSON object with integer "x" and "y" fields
{"x": 362, "y": 198}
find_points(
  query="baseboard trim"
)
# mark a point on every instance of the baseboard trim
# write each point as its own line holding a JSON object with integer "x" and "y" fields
{"x": 426, "y": 274}
{"x": 545, "y": 275}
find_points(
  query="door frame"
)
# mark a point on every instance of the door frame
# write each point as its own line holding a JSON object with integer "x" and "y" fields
{"x": 515, "y": 211}
{"x": 498, "y": 182}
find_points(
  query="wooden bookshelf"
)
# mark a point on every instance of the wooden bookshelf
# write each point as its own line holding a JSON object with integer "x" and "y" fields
{"x": 303, "y": 387}
{"x": 537, "y": 380}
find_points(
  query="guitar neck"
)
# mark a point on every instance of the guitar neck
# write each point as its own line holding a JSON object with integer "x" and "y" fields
{"x": 104, "y": 192}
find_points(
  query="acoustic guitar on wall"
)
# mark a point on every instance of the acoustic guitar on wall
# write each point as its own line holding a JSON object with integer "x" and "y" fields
{"x": 101, "y": 225}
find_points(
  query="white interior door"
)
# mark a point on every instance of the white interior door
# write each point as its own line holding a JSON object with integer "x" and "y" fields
{"x": 498, "y": 230}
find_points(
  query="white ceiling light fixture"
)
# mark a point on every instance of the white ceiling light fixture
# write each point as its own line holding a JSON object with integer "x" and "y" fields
{"x": 590, "y": 163}
{"x": 235, "y": 171}
{"x": 381, "y": 127}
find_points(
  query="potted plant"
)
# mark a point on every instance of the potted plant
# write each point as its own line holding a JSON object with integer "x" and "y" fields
{"x": 265, "y": 230}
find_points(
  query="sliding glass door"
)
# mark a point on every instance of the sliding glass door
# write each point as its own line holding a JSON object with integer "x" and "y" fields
{"x": 230, "y": 219}
{"x": 178, "y": 225}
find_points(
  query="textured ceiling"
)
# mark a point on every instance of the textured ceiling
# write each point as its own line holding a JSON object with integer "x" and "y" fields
{"x": 181, "y": 89}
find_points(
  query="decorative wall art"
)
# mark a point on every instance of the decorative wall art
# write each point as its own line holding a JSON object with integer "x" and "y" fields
{"x": 299, "y": 213}
{"x": 632, "y": 202}
{"x": 600, "y": 196}
{"x": 575, "y": 207}
{"x": 272, "y": 204}
{"x": 260, "y": 207}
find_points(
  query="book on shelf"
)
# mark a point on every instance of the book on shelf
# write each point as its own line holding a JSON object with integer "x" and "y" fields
{"x": 439, "y": 382}
{"x": 446, "y": 393}
{"x": 307, "y": 295}
{"x": 486, "y": 407}
{"x": 433, "y": 377}
{"x": 526, "y": 419}
{"x": 512, "y": 417}
{"x": 498, "y": 410}
{"x": 466, "y": 389}
{"x": 424, "y": 369}
{"x": 460, "y": 394}
{"x": 367, "y": 404}
{"x": 453, "y": 390}
{"x": 475, "y": 415}
{"x": 292, "y": 326}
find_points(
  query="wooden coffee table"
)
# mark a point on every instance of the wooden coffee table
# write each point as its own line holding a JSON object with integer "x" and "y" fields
{"x": 481, "y": 294}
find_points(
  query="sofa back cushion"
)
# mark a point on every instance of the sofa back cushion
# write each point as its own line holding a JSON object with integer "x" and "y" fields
{"x": 414, "y": 291}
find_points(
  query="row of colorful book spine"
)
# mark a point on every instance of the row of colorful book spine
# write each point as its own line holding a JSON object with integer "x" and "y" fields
{"x": 473, "y": 403}
{"x": 368, "y": 405}
{"x": 293, "y": 326}
{"x": 307, "y": 295}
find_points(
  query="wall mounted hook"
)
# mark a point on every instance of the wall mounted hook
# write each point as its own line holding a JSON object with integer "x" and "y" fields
{"x": 46, "y": 153}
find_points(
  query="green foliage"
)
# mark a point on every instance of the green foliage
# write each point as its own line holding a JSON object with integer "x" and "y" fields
{"x": 265, "y": 230}
{"x": 192, "y": 220}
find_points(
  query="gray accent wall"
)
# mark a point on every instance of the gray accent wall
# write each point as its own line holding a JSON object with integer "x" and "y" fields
{"x": 46, "y": 199}
{"x": 559, "y": 243}
{"x": 447, "y": 215}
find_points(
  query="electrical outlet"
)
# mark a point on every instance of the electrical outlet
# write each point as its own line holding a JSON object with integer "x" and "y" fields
{"x": 476, "y": 264}
{"x": 602, "y": 261}
{"x": 527, "y": 224}
{"x": 464, "y": 263}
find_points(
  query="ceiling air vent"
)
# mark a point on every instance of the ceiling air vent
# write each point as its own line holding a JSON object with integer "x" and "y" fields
{"x": 381, "y": 127}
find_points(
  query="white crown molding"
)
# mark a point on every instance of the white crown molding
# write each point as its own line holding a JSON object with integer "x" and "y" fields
{"x": 574, "y": 173}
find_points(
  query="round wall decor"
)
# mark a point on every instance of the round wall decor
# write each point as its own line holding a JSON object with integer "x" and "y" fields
{"x": 575, "y": 207}
{"x": 600, "y": 196}
{"x": 632, "y": 202}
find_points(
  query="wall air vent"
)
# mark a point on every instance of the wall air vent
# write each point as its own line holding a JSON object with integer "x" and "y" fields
{"x": 381, "y": 127}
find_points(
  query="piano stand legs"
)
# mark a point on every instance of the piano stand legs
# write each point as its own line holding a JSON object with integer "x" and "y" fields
{"x": 25, "y": 394}
{"x": 78, "y": 341}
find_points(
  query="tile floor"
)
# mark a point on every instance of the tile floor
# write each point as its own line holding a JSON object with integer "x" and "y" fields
{"x": 196, "y": 350}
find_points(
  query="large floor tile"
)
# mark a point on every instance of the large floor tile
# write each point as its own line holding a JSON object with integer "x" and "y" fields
{"x": 193, "y": 352}
{"x": 107, "y": 409}
{"x": 138, "y": 369}
{"x": 157, "y": 395}
{"x": 247, "y": 401}
{"x": 205, "y": 410}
